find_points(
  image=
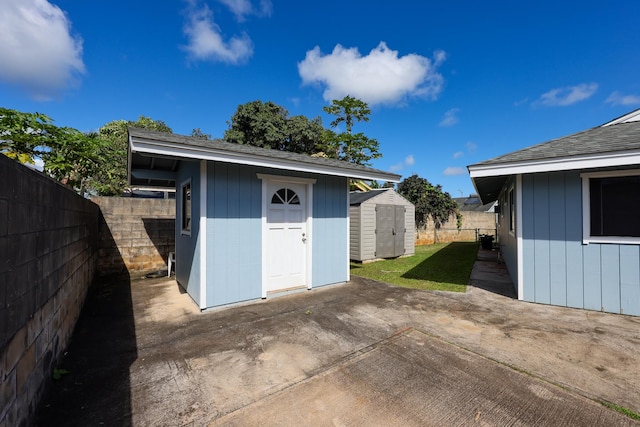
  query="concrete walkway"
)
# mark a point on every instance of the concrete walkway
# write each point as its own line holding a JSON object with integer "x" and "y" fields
{"x": 364, "y": 353}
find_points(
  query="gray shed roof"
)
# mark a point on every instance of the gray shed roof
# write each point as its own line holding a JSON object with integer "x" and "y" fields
{"x": 358, "y": 197}
{"x": 612, "y": 145}
{"x": 154, "y": 156}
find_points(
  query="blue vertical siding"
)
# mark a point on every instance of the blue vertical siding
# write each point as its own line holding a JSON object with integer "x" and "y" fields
{"x": 557, "y": 241}
{"x": 541, "y": 244}
{"x": 188, "y": 247}
{"x": 630, "y": 279}
{"x": 610, "y": 274}
{"x": 573, "y": 240}
{"x": 557, "y": 268}
{"x": 528, "y": 238}
{"x": 234, "y": 232}
{"x": 330, "y": 257}
{"x": 592, "y": 277}
{"x": 507, "y": 240}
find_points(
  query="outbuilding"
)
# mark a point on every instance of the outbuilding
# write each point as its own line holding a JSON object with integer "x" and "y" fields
{"x": 250, "y": 222}
{"x": 382, "y": 225}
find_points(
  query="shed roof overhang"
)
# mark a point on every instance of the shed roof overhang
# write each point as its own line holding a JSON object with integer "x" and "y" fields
{"x": 489, "y": 178}
{"x": 153, "y": 159}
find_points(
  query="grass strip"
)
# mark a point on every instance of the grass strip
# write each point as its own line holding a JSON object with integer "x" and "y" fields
{"x": 440, "y": 267}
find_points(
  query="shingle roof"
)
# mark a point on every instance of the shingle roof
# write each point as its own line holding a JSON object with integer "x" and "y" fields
{"x": 359, "y": 197}
{"x": 241, "y": 150}
{"x": 600, "y": 140}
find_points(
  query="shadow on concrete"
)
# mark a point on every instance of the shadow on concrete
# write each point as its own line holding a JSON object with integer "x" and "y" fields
{"x": 161, "y": 232}
{"x": 490, "y": 273}
{"x": 443, "y": 266}
{"x": 96, "y": 390}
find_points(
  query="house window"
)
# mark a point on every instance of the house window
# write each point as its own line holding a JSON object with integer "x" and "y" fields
{"x": 610, "y": 207}
{"x": 185, "y": 207}
{"x": 512, "y": 212}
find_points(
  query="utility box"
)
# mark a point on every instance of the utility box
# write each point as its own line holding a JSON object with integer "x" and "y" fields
{"x": 382, "y": 225}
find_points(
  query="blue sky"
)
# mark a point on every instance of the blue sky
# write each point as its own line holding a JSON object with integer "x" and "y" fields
{"x": 449, "y": 83}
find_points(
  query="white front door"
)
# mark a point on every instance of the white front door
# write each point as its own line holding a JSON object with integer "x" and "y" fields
{"x": 286, "y": 235}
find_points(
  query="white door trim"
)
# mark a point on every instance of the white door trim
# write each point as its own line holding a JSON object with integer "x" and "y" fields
{"x": 308, "y": 182}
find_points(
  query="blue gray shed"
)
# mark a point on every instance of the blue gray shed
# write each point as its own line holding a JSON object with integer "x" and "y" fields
{"x": 569, "y": 226}
{"x": 250, "y": 222}
{"x": 382, "y": 225}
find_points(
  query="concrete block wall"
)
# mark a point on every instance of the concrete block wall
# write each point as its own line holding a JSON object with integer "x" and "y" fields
{"x": 472, "y": 221}
{"x": 136, "y": 235}
{"x": 48, "y": 253}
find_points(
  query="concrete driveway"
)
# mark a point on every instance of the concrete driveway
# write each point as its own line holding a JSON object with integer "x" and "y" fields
{"x": 363, "y": 353}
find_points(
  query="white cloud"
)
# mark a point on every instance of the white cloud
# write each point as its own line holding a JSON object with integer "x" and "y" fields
{"x": 243, "y": 8}
{"x": 206, "y": 42}
{"x": 38, "y": 51}
{"x": 408, "y": 161}
{"x": 569, "y": 95}
{"x": 377, "y": 78}
{"x": 454, "y": 170}
{"x": 450, "y": 118}
{"x": 458, "y": 154}
{"x": 471, "y": 146}
{"x": 616, "y": 98}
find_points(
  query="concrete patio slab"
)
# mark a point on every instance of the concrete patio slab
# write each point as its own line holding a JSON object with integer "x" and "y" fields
{"x": 142, "y": 354}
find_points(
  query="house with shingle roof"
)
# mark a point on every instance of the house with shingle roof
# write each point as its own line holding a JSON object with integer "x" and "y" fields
{"x": 250, "y": 222}
{"x": 569, "y": 217}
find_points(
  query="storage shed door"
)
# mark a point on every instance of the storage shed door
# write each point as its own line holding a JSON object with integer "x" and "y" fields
{"x": 286, "y": 223}
{"x": 390, "y": 231}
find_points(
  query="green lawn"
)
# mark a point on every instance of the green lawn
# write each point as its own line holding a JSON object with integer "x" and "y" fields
{"x": 440, "y": 267}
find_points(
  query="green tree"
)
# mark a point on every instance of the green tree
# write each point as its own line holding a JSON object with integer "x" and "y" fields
{"x": 198, "y": 133}
{"x": 355, "y": 148}
{"x": 268, "y": 125}
{"x": 429, "y": 200}
{"x": 24, "y": 135}
{"x": 258, "y": 124}
{"x": 70, "y": 156}
{"x": 112, "y": 152}
{"x": 73, "y": 158}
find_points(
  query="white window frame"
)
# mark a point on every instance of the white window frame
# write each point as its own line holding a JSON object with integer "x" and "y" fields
{"x": 511, "y": 205}
{"x": 183, "y": 185}
{"x": 586, "y": 209}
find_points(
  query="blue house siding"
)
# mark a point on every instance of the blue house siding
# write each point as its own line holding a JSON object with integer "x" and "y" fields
{"x": 557, "y": 268}
{"x": 234, "y": 251}
{"x": 188, "y": 247}
{"x": 330, "y": 210}
{"x": 234, "y": 232}
{"x": 507, "y": 240}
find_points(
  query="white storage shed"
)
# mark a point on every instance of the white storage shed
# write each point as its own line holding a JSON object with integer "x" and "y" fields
{"x": 382, "y": 225}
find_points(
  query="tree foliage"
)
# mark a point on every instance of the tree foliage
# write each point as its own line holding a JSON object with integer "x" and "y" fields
{"x": 268, "y": 125}
{"x": 24, "y": 135}
{"x": 198, "y": 133}
{"x": 112, "y": 151}
{"x": 429, "y": 200}
{"x": 351, "y": 147}
{"x": 68, "y": 155}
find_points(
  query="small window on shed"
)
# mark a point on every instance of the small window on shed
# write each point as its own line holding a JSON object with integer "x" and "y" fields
{"x": 512, "y": 212}
{"x": 186, "y": 207}
{"x": 285, "y": 196}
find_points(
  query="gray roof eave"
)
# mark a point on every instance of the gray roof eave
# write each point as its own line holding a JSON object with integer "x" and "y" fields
{"x": 172, "y": 145}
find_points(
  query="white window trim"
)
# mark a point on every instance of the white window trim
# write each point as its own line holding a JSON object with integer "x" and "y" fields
{"x": 586, "y": 209}
{"x": 511, "y": 205}
{"x": 519, "y": 241}
{"x": 183, "y": 231}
